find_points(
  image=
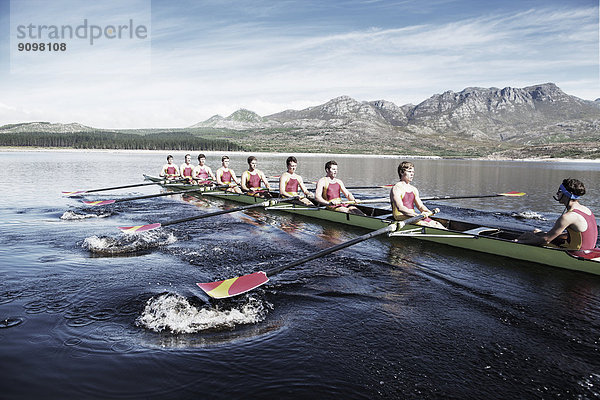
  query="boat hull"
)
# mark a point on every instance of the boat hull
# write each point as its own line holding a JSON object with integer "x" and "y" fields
{"x": 459, "y": 234}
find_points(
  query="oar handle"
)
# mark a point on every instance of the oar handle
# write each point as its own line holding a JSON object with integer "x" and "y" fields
{"x": 392, "y": 227}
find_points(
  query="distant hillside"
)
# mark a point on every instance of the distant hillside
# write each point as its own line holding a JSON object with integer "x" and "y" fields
{"x": 485, "y": 122}
{"x": 474, "y": 121}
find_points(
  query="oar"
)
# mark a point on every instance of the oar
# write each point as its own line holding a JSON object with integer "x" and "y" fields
{"x": 477, "y": 196}
{"x": 369, "y": 187}
{"x": 241, "y": 284}
{"x": 142, "y": 228}
{"x": 148, "y": 196}
{"x": 118, "y": 187}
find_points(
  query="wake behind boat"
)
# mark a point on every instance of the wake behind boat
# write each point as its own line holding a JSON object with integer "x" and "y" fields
{"x": 461, "y": 234}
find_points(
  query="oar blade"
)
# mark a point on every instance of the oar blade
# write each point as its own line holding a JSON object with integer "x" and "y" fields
{"x": 140, "y": 228}
{"x": 513, "y": 194}
{"x": 99, "y": 202}
{"x": 234, "y": 286}
{"x": 75, "y": 193}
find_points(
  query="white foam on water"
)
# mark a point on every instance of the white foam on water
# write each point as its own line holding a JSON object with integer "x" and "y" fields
{"x": 128, "y": 243}
{"x": 174, "y": 313}
{"x": 72, "y": 215}
{"x": 529, "y": 215}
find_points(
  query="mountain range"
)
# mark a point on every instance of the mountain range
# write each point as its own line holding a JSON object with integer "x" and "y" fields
{"x": 473, "y": 122}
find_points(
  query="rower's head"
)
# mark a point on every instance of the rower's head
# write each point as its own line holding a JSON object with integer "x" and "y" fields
{"x": 201, "y": 159}
{"x": 406, "y": 169}
{"x": 292, "y": 164}
{"x": 331, "y": 168}
{"x": 252, "y": 163}
{"x": 570, "y": 189}
{"x": 188, "y": 158}
{"x": 170, "y": 159}
{"x": 225, "y": 161}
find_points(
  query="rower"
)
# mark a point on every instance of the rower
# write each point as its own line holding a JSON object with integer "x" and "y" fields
{"x": 290, "y": 181}
{"x": 169, "y": 170}
{"x": 578, "y": 221}
{"x": 226, "y": 176}
{"x": 252, "y": 179}
{"x": 405, "y": 197}
{"x": 187, "y": 168}
{"x": 202, "y": 172}
{"x": 329, "y": 188}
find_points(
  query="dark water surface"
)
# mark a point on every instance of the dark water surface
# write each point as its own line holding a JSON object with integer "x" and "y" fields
{"x": 82, "y": 316}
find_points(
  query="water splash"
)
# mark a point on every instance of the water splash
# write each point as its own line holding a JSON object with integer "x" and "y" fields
{"x": 529, "y": 215}
{"x": 174, "y": 313}
{"x": 74, "y": 216}
{"x": 106, "y": 245}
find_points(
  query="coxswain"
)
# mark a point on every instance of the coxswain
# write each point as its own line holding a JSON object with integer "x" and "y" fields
{"x": 227, "y": 177}
{"x": 329, "y": 189}
{"x": 290, "y": 181}
{"x": 187, "y": 168}
{"x": 405, "y": 198}
{"x": 578, "y": 221}
{"x": 202, "y": 172}
{"x": 169, "y": 170}
{"x": 252, "y": 179}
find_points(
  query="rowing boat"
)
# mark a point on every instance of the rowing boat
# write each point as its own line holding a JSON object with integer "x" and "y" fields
{"x": 460, "y": 234}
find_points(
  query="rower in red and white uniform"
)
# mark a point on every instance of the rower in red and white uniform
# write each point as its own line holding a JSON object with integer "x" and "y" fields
{"x": 169, "y": 170}
{"x": 202, "y": 172}
{"x": 290, "y": 181}
{"x": 253, "y": 178}
{"x": 227, "y": 177}
{"x": 187, "y": 168}
{"x": 405, "y": 197}
{"x": 578, "y": 221}
{"x": 329, "y": 189}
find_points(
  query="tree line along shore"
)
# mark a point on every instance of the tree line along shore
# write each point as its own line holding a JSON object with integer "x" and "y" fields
{"x": 122, "y": 141}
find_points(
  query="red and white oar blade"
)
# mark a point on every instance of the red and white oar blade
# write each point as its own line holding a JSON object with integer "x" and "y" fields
{"x": 139, "y": 228}
{"x": 234, "y": 286}
{"x": 386, "y": 186}
{"x": 74, "y": 193}
{"x": 99, "y": 202}
{"x": 514, "y": 194}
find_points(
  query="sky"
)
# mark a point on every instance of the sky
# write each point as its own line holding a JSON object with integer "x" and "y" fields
{"x": 201, "y": 58}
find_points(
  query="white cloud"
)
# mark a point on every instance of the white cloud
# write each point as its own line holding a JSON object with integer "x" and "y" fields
{"x": 246, "y": 65}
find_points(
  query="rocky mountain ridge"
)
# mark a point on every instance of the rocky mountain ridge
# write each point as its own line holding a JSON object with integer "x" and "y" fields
{"x": 473, "y": 122}
{"x": 486, "y": 113}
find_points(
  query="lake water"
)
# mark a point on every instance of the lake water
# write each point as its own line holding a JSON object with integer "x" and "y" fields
{"x": 382, "y": 319}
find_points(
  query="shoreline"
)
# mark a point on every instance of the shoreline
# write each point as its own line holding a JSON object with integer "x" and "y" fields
{"x": 339, "y": 155}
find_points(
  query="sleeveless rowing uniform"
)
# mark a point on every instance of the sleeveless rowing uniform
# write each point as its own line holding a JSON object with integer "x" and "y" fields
{"x": 331, "y": 191}
{"x": 186, "y": 171}
{"x": 253, "y": 181}
{"x": 170, "y": 170}
{"x": 291, "y": 187}
{"x": 202, "y": 173}
{"x": 408, "y": 200}
{"x": 585, "y": 240}
{"x": 226, "y": 177}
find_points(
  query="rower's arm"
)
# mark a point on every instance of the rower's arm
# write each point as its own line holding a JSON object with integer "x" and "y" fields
{"x": 319, "y": 192}
{"x": 419, "y": 203}
{"x": 543, "y": 238}
{"x": 210, "y": 173}
{"x": 303, "y": 186}
{"x": 219, "y": 174}
{"x": 264, "y": 180}
{"x": 244, "y": 181}
{"x": 234, "y": 177}
{"x": 346, "y": 192}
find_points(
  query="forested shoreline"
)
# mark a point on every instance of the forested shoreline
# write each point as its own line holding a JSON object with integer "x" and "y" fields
{"x": 117, "y": 140}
